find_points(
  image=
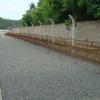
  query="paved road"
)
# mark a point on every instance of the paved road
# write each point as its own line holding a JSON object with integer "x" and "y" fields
{"x": 30, "y": 72}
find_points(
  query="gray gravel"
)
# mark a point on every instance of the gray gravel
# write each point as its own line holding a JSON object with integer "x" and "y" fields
{"x": 31, "y": 72}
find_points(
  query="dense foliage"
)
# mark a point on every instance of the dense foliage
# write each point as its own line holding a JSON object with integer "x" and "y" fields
{"x": 5, "y": 23}
{"x": 59, "y": 10}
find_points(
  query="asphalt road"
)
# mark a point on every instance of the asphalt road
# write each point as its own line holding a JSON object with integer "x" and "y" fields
{"x": 30, "y": 72}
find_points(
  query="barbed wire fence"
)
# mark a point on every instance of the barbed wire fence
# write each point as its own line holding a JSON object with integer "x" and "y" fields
{"x": 57, "y": 37}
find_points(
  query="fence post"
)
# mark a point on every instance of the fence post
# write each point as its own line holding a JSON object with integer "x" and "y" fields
{"x": 73, "y": 29}
{"x": 26, "y": 28}
{"x": 53, "y": 31}
{"x": 17, "y": 27}
{"x": 20, "y": 28}
{"x": 32, "y": 27}
{"x": 40, "y": 29}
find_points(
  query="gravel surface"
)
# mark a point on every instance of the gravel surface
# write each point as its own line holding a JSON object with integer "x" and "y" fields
{"x": 31, "y": 72}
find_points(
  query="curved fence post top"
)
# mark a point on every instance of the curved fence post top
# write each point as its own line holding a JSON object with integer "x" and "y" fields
{"x": 26, "y": 24}
{"x": 40, "y": 22}
{"x": 52, "y": 21}
{"x": 73, "y": 29}
{"x": 32, "y": 24}
{"x": 72, "y": 19}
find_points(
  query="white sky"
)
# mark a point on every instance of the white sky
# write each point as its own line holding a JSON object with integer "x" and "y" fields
{"x": 14, "y": 9}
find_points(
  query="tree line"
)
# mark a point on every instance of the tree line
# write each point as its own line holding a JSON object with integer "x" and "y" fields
{"x": 59, "y": 10}
{"x": 6, "y": 23}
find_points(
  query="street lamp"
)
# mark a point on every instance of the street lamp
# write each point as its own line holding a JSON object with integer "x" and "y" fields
{"x": 73, "y": 29}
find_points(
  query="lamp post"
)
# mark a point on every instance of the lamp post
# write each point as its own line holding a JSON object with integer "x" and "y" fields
{"x": 73, "y": 29}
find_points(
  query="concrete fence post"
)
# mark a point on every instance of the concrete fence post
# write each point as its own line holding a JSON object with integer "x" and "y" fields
{"x": 26, "y": 28}
{"x": 21, "y": 26}
{"x": 40, "y": 28}
{"x": 53, "y": 29}
{"x": 73, "y": 29}
{"x": 17, "y": 29}
{"x": 32, "y": 27}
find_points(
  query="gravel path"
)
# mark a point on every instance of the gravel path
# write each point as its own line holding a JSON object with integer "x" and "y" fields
{"x": 30, "y": 72}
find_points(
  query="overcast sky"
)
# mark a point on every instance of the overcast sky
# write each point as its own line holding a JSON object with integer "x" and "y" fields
{"x": 14, "y": 9}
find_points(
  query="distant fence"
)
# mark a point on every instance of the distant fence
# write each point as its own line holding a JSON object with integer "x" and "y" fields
{"x": 58, "y": 30}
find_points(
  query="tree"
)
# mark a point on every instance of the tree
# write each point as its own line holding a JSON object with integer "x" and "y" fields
{"x": 93, "y": 8}
{"x": 52, "y": 9}
{"x": 6, "y": 23}
{"x": 59, "y": 10}
{"x": 32, "y": 6}
{"x": 27, "y": 18}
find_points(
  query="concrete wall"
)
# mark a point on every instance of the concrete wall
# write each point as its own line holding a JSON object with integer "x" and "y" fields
{"x": 89, "y": 30}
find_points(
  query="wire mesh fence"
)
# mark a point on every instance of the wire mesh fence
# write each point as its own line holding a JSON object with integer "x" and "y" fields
{"x": 83, "y": 49}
